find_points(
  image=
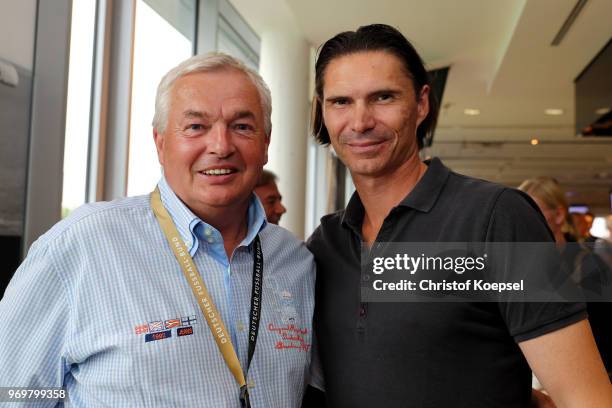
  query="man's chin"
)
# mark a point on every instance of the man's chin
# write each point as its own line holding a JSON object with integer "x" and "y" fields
{"x": 212, "y": 200}
{"x": 365, "y": 169}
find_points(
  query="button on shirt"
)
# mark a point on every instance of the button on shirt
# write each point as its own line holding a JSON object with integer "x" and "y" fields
{"x": 100, "y": 306}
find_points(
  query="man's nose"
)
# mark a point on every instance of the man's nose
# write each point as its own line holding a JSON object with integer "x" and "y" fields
{"x": 220, "y": 142}
{"x": 363, "y": 119}
{"x": 280, "y": 208}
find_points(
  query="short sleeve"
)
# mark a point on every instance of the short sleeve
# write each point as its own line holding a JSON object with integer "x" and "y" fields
{"x": 33, "y": 321}
{"x": 516, "y": 218}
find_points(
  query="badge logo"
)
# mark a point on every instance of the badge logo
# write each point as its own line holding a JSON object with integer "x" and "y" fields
{"x": 287, "y": 309}
{"x": 156, "y": 326}
{"x": 158, "y": 336}
{"x": 162, "y": 329}
{"x": 291, "y": 337}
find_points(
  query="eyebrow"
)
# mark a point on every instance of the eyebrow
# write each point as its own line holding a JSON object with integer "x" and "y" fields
{"x": 242, "y": 115}
{"x": 333, "y": 98}
{"x": 385, "y": 91}
{"x": 194, "y": 114}
{"x": 191, "y": 114}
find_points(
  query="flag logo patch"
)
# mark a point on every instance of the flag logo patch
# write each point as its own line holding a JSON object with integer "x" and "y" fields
{"x": 184, "y": 331}
{"x": 158, "y": 336}
{"x": 162, "y": 329}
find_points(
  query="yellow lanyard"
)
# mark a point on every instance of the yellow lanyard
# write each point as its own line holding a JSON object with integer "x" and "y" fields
{"x": 215, "y": 323}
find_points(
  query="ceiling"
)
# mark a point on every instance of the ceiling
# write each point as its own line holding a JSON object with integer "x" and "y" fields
{"x": 502, "y": 63}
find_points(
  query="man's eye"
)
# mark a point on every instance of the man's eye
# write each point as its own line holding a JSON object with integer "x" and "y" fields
{"x": 243, "y": 126}
{"x": 340, "y": 101}
{"x": 195, "y": 126}
{"x": 384, "y": 97}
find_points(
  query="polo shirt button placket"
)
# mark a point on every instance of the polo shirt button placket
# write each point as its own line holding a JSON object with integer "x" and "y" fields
{"x": 361, "y": 320}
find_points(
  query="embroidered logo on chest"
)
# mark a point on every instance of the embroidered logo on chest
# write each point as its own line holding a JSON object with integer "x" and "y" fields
{"x": 288, "y": 310}
{"x": 162, "y": 329}
{"x": 290, "y": 337}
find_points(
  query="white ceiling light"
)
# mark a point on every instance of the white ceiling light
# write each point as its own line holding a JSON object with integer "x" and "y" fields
{"x": 553, "y": 111}
{"x": 602, "y": 111}
{"x": 471, "y": 111}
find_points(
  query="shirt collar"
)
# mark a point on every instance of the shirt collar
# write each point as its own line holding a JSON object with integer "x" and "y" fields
{"x": 422, "y": 197}
{"x": 425, "y": 194}
{"x": 187, "y": 222}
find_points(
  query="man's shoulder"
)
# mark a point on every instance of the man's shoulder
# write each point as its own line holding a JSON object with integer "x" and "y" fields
{"x": 334, "y": 218}
{"x": 276, "y": 237}
{"x": 475, "y": 186}
{"x": 95, "y": 217}
{"x": 285, "y": 253}
{"x": 482, "y": 192}
{"x": 329, "y": 227}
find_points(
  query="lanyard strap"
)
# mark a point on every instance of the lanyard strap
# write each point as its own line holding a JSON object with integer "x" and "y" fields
{"x": 213, "y": 318}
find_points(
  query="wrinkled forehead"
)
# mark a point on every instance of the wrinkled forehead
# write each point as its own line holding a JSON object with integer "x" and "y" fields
{"x": 221, "y": 87}
{"x": 376, "y": 66}
{"x": 391, "y": 63}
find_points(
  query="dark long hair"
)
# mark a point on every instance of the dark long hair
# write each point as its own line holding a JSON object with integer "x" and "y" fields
{"x": 374, "y": 37}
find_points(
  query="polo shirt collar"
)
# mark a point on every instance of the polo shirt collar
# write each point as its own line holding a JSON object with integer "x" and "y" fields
{"x": 190, "y": 226}
{"x": 425, "y": 194}
{"x": 422, "y": 197}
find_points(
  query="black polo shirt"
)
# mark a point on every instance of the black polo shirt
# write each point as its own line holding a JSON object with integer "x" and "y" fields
{"x": 428, "y": 354}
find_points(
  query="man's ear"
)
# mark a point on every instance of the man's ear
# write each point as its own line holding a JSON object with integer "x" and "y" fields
{"x": 158, "y": 138}
{"x": 423, "y": 104}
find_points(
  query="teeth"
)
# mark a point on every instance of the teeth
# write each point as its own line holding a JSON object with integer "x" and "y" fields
{"x": 217, "y": 172}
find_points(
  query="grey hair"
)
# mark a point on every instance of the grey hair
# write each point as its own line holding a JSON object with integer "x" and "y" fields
{"x": 207, "y": 63}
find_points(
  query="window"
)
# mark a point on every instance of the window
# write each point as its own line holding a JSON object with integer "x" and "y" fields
{"x": 78, "y": 106}
{"x": 230, "y": 42}
{"x": 164, "y": 36}
{"x": 221, "y": 28}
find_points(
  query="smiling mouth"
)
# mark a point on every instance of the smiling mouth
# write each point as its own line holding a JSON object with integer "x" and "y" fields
{"x": 218, "y": 172}
{"x": 367, "y": 144}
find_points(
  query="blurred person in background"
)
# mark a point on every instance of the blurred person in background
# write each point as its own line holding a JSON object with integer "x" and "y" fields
{"x": 267, "y": 191}
{"x": 603, "y": 246}
{"x": 589, "y": 217}
{"x": 550, "y": 197}
{"x": 582, "y": 224}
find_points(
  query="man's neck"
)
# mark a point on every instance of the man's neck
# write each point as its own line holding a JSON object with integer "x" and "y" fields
{"x": 232, "y": 223}
{"x": 380, "y": 194}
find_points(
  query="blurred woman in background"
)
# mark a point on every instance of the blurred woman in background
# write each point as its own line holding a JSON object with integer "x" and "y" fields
{"x": 583, "y": 266}
{"x": 549, "y": 196}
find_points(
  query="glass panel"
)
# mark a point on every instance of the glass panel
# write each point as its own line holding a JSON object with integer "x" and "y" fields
{"x": 78, "y": 106}
{"x": 160, "y": 42}
{"x": 17, "y": 27}
{"x": 230, "y": 42}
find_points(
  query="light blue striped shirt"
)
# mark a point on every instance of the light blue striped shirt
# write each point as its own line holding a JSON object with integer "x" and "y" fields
{"x": 100, "y": 306}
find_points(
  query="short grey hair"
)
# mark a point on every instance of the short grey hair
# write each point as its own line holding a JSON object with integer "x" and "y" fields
{"x": 207, "y": 63}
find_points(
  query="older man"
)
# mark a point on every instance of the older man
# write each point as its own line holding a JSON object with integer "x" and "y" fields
{"x": 271, "y": 199}
{"x": 181, "y": 297}
{"x": 373, "y": 105}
